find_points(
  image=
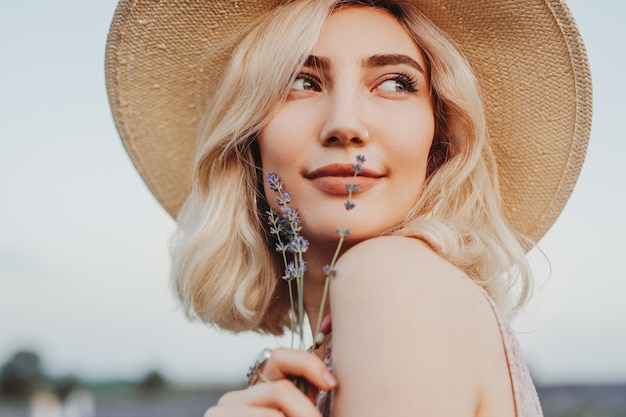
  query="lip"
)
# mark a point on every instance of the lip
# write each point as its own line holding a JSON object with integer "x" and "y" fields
{"x": 340, "y": 170}
{"x": 333, "y": 178}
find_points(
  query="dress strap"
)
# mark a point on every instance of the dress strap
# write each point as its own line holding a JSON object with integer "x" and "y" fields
{"x": 524, "y": 391}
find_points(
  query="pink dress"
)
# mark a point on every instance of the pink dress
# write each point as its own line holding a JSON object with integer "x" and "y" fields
{"x": 524, "y": 392}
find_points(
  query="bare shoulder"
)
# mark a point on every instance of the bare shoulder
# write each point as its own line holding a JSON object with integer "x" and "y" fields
{"x": 419, "y": 323}
{"x": 389, "y": 262}
{"x": 404, "y": 278}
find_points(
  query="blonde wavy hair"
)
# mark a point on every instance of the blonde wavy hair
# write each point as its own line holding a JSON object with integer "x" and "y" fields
{"x": 223, "y": 267}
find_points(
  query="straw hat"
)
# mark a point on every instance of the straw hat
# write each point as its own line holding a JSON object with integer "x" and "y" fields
{"x": 528, "y": 55}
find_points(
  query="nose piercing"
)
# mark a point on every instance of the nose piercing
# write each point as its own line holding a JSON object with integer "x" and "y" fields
{"x": 366, "y": 133}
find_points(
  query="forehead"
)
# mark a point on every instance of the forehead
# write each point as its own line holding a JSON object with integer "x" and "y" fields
{"x": 362, "y": 31}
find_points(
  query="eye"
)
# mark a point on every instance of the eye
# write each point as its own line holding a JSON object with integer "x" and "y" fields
{"x": 306, "y": 83}
{"x": 399, "y": 83}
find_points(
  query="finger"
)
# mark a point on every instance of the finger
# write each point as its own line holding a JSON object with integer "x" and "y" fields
{"x": 281, "y": 395}
{"x": 285, "y": 363}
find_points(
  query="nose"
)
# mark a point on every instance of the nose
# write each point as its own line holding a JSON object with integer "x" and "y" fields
{"x": 344, "y": 124}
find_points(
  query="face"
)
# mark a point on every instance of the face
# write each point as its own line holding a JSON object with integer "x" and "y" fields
{"x": 363, "y": 91}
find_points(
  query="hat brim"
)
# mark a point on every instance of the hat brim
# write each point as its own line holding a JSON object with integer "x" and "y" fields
{"x": 528, "y": 56}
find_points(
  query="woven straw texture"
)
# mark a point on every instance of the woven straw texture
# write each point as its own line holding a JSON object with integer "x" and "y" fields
{"x": 528, "y": 55}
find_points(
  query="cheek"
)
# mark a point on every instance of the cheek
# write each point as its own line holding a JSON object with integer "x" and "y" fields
{"x": 413, "y": 143}
{"x": 410, "y": 154}
{"x": 282, "y": 139}
{"x": 273, "y": 146}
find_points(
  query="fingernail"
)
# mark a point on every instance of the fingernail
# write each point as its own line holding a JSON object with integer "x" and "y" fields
{"x": 329, "y": 379}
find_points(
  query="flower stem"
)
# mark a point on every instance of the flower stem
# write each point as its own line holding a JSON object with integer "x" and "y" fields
{"x": 291, "y": 316}
{"x": 320, "y": 314}
{"x": 300, "y": 278}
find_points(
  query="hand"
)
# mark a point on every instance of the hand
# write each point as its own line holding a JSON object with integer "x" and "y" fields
{"x": 278, "y": 396}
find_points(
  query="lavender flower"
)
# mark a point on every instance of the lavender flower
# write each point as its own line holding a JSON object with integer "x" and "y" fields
{"x": 284, "y": 198}
{"x": 298, "y": 245}
{"x": 290, "y": 271}
{"x": 281, "y": 247}
{"x": 360, "y": 159}
{"x": 274, "y": 182}
{"x": 351, "y": 187}
{"x": 291, "y": 219}
{"x": 328, "y": 271}
{"x": 343, "y": 233}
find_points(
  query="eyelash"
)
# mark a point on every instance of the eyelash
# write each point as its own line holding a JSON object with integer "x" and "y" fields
{"x": 409, "y": 81}
{"x": 313, "y": 80}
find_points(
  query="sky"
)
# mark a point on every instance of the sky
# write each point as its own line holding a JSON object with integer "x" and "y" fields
{"x": 83, "y": 244}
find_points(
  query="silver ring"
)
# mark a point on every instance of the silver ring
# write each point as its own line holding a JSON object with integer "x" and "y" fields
{"x": 254, "y": 372}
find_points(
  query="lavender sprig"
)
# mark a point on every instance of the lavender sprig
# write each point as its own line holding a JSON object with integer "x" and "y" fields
{"x": 353, "y": 188}
{"x": 276, "y": 230}
{"x": 286, "y": 228}
{"x": 329, "y": 270}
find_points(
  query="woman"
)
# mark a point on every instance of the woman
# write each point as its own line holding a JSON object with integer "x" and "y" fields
{"x": 433, "y": 258}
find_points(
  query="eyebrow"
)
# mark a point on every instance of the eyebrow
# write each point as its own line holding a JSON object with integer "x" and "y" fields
{"x": 317, "y": 62}
{"x": 381, "y": 60}
{"x": 378, "y": 60}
